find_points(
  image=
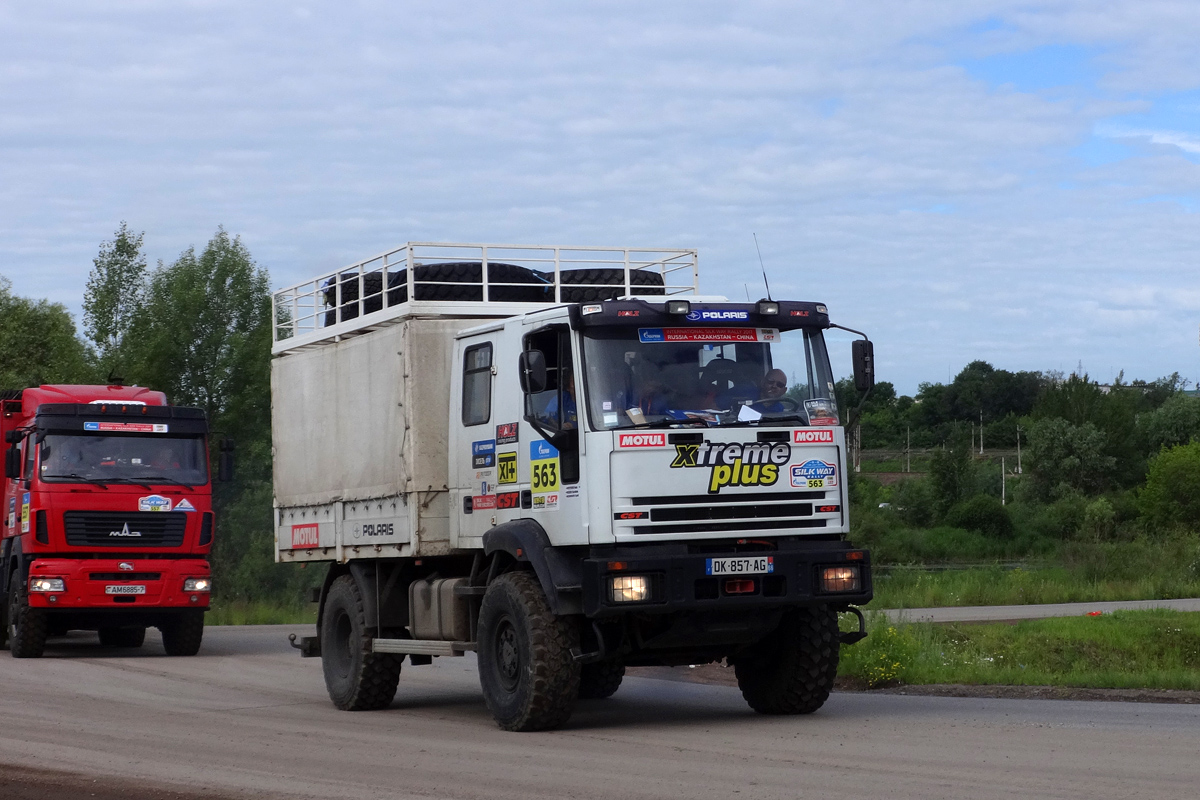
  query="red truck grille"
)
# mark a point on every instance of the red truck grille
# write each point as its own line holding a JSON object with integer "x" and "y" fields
{"x": 124, "y": 529}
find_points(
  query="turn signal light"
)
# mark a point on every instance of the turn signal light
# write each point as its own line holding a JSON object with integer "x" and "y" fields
{"x": 840, "y": 579}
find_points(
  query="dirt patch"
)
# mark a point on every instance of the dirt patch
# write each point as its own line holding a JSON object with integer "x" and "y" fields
{"x": 719, "y": 675}
{"x": 28, "y": 783}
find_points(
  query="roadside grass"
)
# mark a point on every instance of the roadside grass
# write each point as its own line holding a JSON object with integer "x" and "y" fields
{"x": 1158, "y": 649}
{"x": 260, "y": 612}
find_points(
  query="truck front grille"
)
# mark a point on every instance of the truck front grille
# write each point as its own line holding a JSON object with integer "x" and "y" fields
{"x": 124, "y": 529}
{"x": 708, "y": 514}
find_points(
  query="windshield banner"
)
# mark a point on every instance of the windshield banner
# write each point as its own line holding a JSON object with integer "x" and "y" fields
{"x": 125, "y": 427}
{"x": 658, "y": 335}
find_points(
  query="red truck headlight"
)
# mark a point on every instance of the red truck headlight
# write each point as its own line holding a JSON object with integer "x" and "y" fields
{"x": 40, "y": 584}
{"x": 197, "y": 585}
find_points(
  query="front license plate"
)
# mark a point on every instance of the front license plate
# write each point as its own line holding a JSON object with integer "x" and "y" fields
{"x": 123, "y": 589}
{"x": 740, "y": 566}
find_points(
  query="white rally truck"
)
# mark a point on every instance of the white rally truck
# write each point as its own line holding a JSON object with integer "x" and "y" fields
{"x": 567, "y": 461}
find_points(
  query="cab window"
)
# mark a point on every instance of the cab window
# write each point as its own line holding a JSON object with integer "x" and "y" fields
{"x": 477, "y": 384}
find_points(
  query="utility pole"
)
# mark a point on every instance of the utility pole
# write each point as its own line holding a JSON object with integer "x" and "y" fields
{"x": 908, "y": 448}
{"x": 981, "y": 431}
{"x": 1003, "y": 485}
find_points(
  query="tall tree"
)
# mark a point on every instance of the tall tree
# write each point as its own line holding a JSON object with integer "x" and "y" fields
{"x": 113, "y": 297}
{"x": 38, "y": 343}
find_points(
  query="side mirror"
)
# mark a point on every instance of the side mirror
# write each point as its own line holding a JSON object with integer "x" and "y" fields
{"x": 12, "y": 437}
{"x": 533, "y": 372}
{"x": 12, "y": 463}
{"x": 864, "y": 364}
{"x": 225, "y": 461}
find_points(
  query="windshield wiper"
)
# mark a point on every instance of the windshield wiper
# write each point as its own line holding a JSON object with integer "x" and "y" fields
{"x": 130, "y": 482}
{"x": 165, "y": 479}
{"x": 764, "y": 420}
{"x": 75, "y": 476}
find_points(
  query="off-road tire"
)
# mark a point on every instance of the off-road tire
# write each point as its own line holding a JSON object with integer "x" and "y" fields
{"x": 792, "y": 670}
{"x": 123, "y": 637}
{"x": 356, "y": 678}
{"x": 183, "y": 632}
{"x": 27, "y": 627}
{"x": 530, "y": 681}
{"x": 600, "y": 679}
{"x": 601, "y": 279}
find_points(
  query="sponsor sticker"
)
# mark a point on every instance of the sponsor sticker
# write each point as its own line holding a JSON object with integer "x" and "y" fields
{"x": 653, "y": 335}
{"x": 507, "y": 433}
{"x": 154, "y": 502}
{"x": 506, "y": 467}
{"x": 305, "y": 536}
{"x": 483, "y": 502}
{"x": 798, "y": 313}
{"x": 126, "y": 427}
{"x": 814, "y": 474}
{"x": 707, "y": 316}
{"x": 811, "y": 436}
{"x": 571, "y": 491}
{"x": 25, "y": 512}
{"x": 483, "y": 454}
{"x": 820, "y": 411}
{"x": 373, "y": 529}
{"x": 545, "y": 502}
{"x": 734, "y": 464}
{"x": 12, "y": 512}
{"x": 641, "y": 440}
{"x": 508, "y": 500}
{"x": 629, "y": 313}
{"x": 184, "y": 505}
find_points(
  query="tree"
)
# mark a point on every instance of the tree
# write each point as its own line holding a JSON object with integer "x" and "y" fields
{"x": 1176, "y": 422}
{"x": 1065, "y": 459}
{"x": 203, "y": 336}
{"x": 113, "y": 296}
{"x": 1169, "y": 496}
{"x": 951, "y": 475}
{"x": 38, "y": 343}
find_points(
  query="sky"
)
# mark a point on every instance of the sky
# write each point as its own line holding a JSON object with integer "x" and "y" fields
{"x": 1017, "y": 182}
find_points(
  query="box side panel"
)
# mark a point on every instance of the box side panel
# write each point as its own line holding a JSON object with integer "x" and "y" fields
{"x": 430, "y": 349}
{"x": 338, "y": 423}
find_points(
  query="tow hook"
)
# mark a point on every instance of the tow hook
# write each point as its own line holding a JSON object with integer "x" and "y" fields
{"x": 309, "y": 646}
{"x": 850, "y": 637}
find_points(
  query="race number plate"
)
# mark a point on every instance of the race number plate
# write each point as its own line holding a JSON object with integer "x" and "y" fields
{"x": 752, "y": 565}
{"x": 124, "y": 589}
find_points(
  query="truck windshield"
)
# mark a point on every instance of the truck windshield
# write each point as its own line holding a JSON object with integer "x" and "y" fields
{"x": 66, "y": 458}
{"x": 707, "y": 376}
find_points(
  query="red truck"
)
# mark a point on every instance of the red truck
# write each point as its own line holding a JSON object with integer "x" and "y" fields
{"x": 107, "y": 517}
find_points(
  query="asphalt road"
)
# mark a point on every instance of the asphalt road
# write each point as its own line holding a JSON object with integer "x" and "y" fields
{"x": 249, "y": 716}
{"x": 1038, "y": 611}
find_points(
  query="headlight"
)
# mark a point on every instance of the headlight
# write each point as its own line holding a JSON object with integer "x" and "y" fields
{"x": 197, "y": 585}
{"x": 47, "y": 585}
{"x": 629, "y": 588}
{"x": 840, "y": 579}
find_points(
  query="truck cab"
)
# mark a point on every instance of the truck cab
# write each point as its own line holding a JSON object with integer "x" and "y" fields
{"x": 608, "y": 470}
{"x": 108, "y": 517}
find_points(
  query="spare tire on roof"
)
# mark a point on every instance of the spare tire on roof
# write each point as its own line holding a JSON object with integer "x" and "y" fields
{"x": 576, "y": 288}
{"x": 447, "y": 281}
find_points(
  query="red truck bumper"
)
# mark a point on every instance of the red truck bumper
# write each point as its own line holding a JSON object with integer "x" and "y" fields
{"x": 114, "y": 583}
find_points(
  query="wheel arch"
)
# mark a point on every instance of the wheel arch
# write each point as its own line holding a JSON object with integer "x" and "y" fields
{"x": 558, "y": 569}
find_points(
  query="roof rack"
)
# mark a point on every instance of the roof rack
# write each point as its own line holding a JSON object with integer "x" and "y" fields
{"x": 470, "y": 280}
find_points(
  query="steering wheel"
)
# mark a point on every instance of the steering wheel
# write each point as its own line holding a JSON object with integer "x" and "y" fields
{"x": 789, "y": 404}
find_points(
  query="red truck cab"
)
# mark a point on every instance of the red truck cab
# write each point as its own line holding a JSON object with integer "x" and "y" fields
{"x": 107, "y": 517}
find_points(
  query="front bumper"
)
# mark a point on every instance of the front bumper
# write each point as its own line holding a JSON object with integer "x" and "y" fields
{"x": 86, "y": 583}
{"x": 681, "y": 581}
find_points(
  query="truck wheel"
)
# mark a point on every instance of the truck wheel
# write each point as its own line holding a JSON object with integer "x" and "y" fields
{"x": 27, "y": 628}
{"x": 600, "y": 679}
{"x": 530, "y": 682}
{"x": 182, "y": 633}
{"x": 357, "y": 679}
{"x": 123, "y": 637}
{"x": 792, "y": 670}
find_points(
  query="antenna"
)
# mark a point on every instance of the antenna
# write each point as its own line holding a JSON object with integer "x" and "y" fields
{"x": 747, "y": 288}
{"x": 761, "y": 264}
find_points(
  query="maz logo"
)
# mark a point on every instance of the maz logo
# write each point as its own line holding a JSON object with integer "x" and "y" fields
{"x": 125, "y": 531}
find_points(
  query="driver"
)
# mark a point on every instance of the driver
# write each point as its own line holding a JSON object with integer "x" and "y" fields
{"x": 772, "y": 387}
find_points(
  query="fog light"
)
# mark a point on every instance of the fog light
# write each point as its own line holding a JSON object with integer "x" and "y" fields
{"x": 47, "y": 585}
{"x": 629, "y": 588}
{"x": 840, "y": 579}
{"x": 678, "y": 307}
{"x": 197, "y": 585}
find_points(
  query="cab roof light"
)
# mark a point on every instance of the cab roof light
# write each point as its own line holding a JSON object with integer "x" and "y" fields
{"x": 767, "y": 307}
{"x": 681, "y": 307}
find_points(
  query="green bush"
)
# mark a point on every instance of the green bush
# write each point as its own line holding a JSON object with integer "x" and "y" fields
{"x": 913, "y": 500}
{"x": 982, "y": 513}
{"x": 1170, "y": 496}
{"x": 1099, "y": 519}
